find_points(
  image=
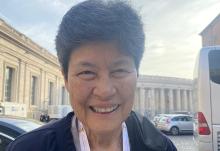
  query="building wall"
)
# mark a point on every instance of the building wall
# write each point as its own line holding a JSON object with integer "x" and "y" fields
{"x": 157, "y": 94}
{"x": 28, "y": 59}
{"x": 211, "y": 34}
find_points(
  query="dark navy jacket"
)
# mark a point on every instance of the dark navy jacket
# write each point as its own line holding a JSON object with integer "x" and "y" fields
{"x": 57, "y": 136}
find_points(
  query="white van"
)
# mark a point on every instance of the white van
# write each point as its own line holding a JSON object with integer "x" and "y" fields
{"x": 207, "y": 99}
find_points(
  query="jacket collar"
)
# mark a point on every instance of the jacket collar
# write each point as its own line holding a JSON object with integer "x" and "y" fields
{"x": 142, "y": 134}
{"x": 65, "y": 138}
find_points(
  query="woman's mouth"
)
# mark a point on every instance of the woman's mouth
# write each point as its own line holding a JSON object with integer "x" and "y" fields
{"x": 104, "y": 110}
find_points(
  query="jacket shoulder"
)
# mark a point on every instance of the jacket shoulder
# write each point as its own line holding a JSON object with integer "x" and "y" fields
{"x": 35, "y": 140}
{"x": 45, "y": 138}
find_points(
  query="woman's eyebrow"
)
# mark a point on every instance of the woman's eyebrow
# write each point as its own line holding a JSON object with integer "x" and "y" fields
{"x": 85, "y": 64}
{"x": 121, "y": 62}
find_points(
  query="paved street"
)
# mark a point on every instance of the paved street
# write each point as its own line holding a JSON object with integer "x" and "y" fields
{"x": 183, "y": 142}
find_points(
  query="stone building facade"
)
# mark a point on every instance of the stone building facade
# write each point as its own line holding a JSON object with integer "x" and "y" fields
{"x": 211, "y": 34}
{"x": 157, "y": 94}
{"x": 30, "y": 77}
{"x": 31, "y": 81}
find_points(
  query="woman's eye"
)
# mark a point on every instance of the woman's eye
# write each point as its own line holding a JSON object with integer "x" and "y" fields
{"x": 86, "y": 75}
{"x": 119, "y": 73}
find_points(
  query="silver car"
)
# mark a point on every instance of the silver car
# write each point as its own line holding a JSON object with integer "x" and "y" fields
{"x": 176, "y": 124}
{"x": 157, "y": 118}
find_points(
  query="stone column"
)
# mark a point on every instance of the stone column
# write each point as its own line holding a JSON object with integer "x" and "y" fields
{"x": 191, "y": 104}
{"x": 26, "y": 86}
{"x": 21, "y": 82}
{"x": 171, "y": 104}
{"x": 147, "y": 105}
{"x": 136, "y": 100}
{"x": 56, "y": 91}
{"x": 178, "y": 100}
{"x": 153, "y": 103}
{"x": 142, "y": 101}
{"x": 162, "y": 100}
{"x": 60, "y": 91}
{"x": 44, "y": 90}
{"x": 2, "y": 76}
{"x": 185, "y": 101}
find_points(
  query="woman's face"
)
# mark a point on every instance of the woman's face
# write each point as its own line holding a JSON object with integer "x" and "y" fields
{"x": 101, "y": 83}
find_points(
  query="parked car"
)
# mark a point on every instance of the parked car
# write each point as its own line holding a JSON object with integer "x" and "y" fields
{"x": 182, "y": 112}
{"x": 11, "y": 127}
{"x": 157, "y": 118}
{"x": 176, "y": 124}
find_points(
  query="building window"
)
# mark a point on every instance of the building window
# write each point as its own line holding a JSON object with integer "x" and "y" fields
{"x": 50, "y": 93}
{"x": 63, "y": 95}
{"x": 33, "y": 90}
{"x": 9, "y": 78}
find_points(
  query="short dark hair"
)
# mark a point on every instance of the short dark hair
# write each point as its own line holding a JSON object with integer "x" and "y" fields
{"x": 96, "y": 20}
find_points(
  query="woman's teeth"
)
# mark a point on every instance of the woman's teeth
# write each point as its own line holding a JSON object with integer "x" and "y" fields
{"x": 104, "y": 109}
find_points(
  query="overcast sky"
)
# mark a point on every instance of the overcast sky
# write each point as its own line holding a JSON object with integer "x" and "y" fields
{"x": 172, "y": 29}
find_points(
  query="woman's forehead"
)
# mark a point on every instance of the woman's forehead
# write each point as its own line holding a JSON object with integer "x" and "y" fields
{"x": 93, "y": 62}
{"x": 92, "y": 54}
{"x": 98, "y": 49}
{"x": 98, "y": 45}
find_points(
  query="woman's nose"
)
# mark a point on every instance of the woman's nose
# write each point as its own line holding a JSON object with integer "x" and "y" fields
{"x": 104, "y": 88}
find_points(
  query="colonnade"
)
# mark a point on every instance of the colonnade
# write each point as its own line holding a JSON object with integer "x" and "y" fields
{"x": 156, "y": 98}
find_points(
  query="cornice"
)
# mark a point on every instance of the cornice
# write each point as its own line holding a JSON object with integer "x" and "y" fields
{"x": 162, "y": 79}
{"x": 12, "y": 35}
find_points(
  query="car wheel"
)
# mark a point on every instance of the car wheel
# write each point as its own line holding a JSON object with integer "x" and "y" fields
{"x": 174, "y": 131}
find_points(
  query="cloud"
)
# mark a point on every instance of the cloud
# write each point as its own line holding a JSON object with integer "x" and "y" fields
{"x": 172, "y": 29}
{"x": 172, "y": 34}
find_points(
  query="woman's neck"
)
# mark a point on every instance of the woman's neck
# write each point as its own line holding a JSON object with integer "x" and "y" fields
{"x": 107, "y": 141}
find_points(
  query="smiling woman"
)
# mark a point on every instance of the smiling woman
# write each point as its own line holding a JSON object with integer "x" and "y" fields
{"x": 101, "y": 82}
{"x": 99, "y": 46}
